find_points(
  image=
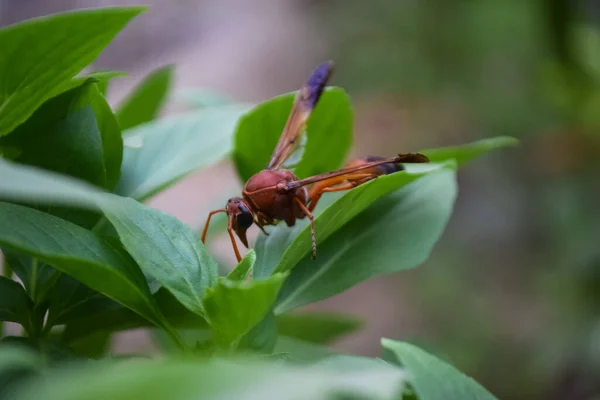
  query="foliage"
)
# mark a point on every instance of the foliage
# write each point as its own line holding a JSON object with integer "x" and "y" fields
{"x": 93, "y": 260}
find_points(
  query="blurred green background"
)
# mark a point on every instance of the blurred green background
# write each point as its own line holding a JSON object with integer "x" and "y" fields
{"x": 511, "y": 294}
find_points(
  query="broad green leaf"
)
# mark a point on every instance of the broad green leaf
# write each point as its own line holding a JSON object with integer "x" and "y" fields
{"x": 15, "y": 305}
{"x": 244, "y": 268}
{"x": 233, "y": 307}
{"x": 108, "y": 316}
{"x": 34, "y": 185}
{"x": 40, "y": 54}
{"x": 317, "y": 327}
{"x": 159, "y": 153}
{"x": 143, "y": 104}
{"x": 165, "y": 248}
{"x": 84, "y": 137}
{"x": 329, "y": 134}
{"x": 467, "y": 152}
{"x": 395, "y": 233}
{"x": 432, "y": 378}
{"x": 78, "y": 252}
{"x": 63, "y": 136}
{"x": 196, "y": 378}
{"x": 285, "y": 247}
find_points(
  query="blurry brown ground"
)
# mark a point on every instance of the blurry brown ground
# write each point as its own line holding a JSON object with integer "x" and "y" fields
{"x": 502, "y": 295}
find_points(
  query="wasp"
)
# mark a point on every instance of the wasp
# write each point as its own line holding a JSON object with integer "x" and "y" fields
{"x": 275, "y": 194}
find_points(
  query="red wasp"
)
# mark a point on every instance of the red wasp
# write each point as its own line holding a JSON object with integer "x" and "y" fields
{"x": 276, "y": 194}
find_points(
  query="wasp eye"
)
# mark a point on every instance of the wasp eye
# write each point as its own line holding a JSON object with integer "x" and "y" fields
{"x": 244, "y": 218}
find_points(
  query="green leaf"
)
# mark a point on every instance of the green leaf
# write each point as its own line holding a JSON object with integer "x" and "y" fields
{"x": 433, "y": 378}
{"x": 15, "y": 305}
{"x": 34, "y": 185}
{"x": 233, "y": 307}
{"x": 241, "y": 271}
{"x": 206, "y": 379}
{"x": 165, "y": 248}
{"x": 395, "y": 233}
{"x": 37, "y": 277}
{"x": 17, "y": 365}
{"x": 317, "y": 327}
{"x": 285, "y": 247}
{"x": 40, "y": 54}
{"x": 465, "y": 153}
{"x": 112, "y": 141}
{"x": 67, "y": 125}
{"x": 329, "y": 134}
{"x": 78, "y": 252}
{"x": 262, "y": 338}
{"x": 70, "y": 298}
{"x": 100, "y": 78}
{"x": 160, "y": 153}
{"x": 301, "y": 352}
{"x": 144, "y": 103}
{"x": 107, "y": 316}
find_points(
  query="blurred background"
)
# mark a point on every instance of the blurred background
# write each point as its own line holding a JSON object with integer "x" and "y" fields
{"x": 511, "y": 294}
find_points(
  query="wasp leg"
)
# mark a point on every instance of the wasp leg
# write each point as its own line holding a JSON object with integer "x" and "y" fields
{"x": 312, "y": 226}
{"x": 205, "y": 230}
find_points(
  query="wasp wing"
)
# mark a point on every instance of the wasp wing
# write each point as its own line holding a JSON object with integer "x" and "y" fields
{"x": 400, "y": 158}
{"x": 304, "y": 104}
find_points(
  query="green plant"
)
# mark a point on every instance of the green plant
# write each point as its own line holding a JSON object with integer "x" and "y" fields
{"x": 93, "y": 260}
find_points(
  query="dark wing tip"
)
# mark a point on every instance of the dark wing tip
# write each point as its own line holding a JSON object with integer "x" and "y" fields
{"x": 316, "y": 83}
{"x": 412, "y": 158}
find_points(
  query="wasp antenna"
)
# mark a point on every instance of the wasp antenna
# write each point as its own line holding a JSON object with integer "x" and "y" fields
{"x": 316, "y": 83}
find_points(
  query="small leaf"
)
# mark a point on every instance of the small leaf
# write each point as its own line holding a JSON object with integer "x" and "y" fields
{"x": 107, "y": 316}
{"x": 69, "y": 298}
{"x": 263, "y": 337}
{"x": 315, "y": 327}
{"x": 241, "y": 271}
{"x": 143, "y": 104}
{"x": 160, "y": 153}
{"x": 165, "y": 248}
{"x": 433, "y": 378}
{"x": 396, "y": 232}
{"x": 329, "y": 134}
{"x": 77, "y": 252}
{"x": 233, "y": 308}
{"x": 15, "y": 305}
{"x": 37, "y": 277}
{"x": 112, "y": 141}
{"x": 100, "y": 78}
{"x": 40, "y": 54}
{"x": 465, "y": 153}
